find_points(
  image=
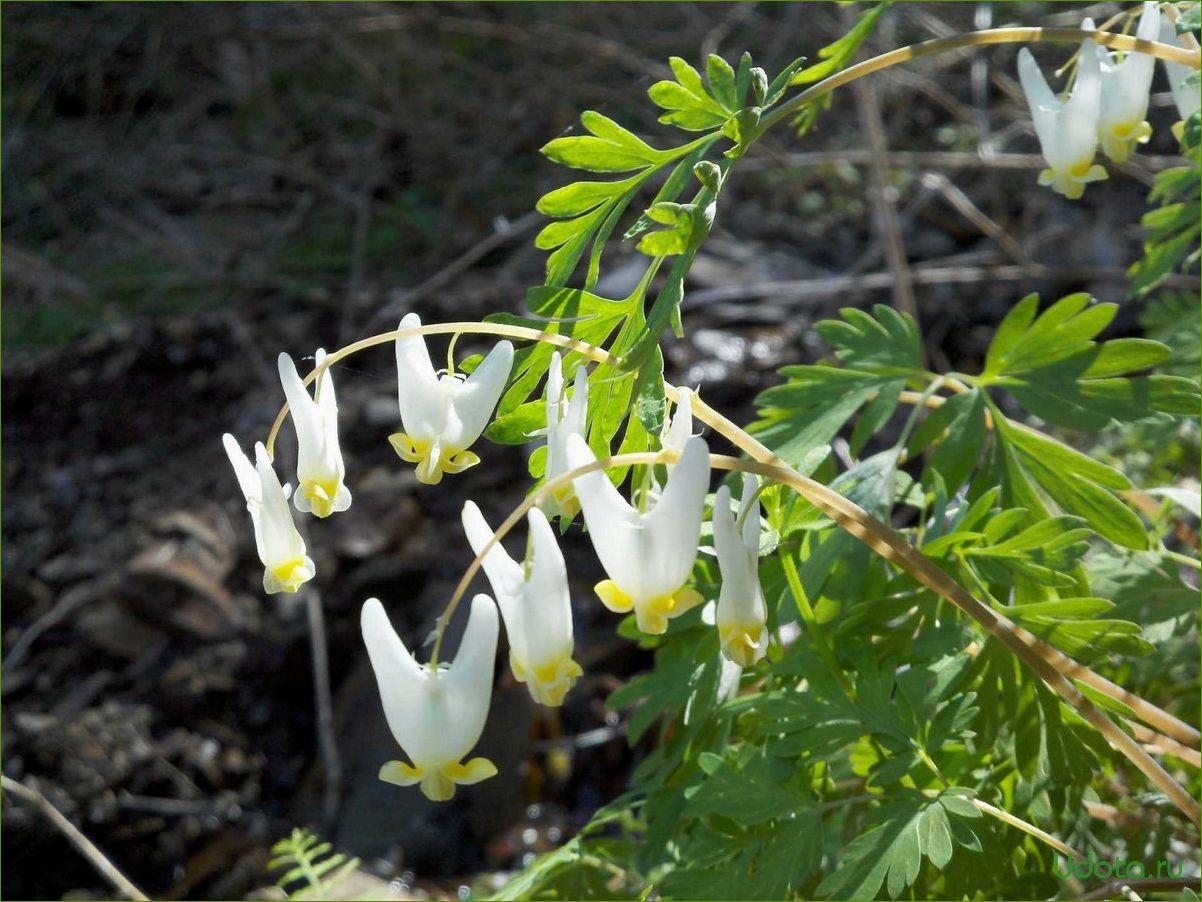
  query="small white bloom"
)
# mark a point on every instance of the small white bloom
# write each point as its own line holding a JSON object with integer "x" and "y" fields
{"x": 319, "y": 467}
{"x": 1068, "y": 131}
{"x": 565, "y": 417}
{"x": 1187, "y": 98}
{"x": 648, "y": 556}
{"x": 1125, "y": 86}
{"x": 679, "y": 428}
{"x": 436, "y": 715}
{"x": 286, "y": 567}
{"x": 742, "y": 614}
{"x": 443, "y": 415}
{"x": 535, "y": 605}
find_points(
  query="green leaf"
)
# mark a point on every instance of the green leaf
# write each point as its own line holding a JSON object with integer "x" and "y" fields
{"x": 837, "y": 55}
{"x": 887, "y": 342}
{"x": 519, "y": 426}
{"x": 689, "y": 104}
{"x": 957, "y": 427}
{"x": 609, "y": 148}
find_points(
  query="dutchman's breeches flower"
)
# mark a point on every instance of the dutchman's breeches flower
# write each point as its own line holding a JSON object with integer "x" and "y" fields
{"x": 648, "y": 556}
{"x": 565, "y": 417}
{"x": 741, "y": 614}
{"x": 1068, "y": 131}
{"x": 1125, "y": 87}
{"x": 679, "y": 428}
{"x": 319, "y": 467}
{"x": 443, "y": 415}
{"x": 286, "y": 567}
{"x": 535, "y": 605}
{"x": 436, "y": 715}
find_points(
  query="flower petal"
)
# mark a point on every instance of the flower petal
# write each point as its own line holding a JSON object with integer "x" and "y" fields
{"x": 473, "y": 400}
{"x": 419, "y": 396}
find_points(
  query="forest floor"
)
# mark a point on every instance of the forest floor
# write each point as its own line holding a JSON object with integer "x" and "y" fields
{"x": 189, "y": 190}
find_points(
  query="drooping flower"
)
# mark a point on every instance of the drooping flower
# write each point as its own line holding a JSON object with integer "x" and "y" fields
{"x": 1068, "y": 131}
{"x": 319, "y": 467}
{"x": 565, "y": 417}
{"x": 679, "y": 428}
{"x": 1125, "y": 87}
{"x": 1187, "y": 97}
{"x": 741, "y": 614}
{"x": 647, "y": 556}
{"x": 436, "y": 715}
{"x": 286, "y": 567}
{"x": 443, "y": 415}
{"x": 535, "y": 605}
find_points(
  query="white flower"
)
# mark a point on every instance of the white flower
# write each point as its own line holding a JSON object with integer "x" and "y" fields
{"x": 648, "y": 556}
{"x": 1125, "y": 86}
{"x": 741, "y": 614}
{"x": 319, "y": 467}
{"x": 1186, "y": 97}
{"x": 443, "y": 415}
{"x": 565, "y": 417}
{"x": 535, "y": 605}
{"x": 1068, "y": 131}
{"x": 436, "y": 715}
{"x": 679, "y": 428}
{"x": 286, "y": 567}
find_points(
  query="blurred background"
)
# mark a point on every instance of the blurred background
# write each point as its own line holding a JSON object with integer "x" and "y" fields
{"x": 189, "y": 189}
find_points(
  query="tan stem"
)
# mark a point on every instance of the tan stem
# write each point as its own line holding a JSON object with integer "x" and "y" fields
{"x": 1123, "y": 42}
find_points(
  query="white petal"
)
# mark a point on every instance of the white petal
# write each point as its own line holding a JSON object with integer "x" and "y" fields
{"x": 673, "y": 527}
{"x": 398, "y": 676}
{"x": 1188, "y": 100}
{"x": 473, "y": 400}
{"x": 461, "y": 708}
{"x": 420, "y": 398}
{"x": 680, "y": 427}
{"x": 1042, "y": 102}
{"x": 548, "y": 605}
{"x": 503, "y": 572}
{"x": 613, "y": 524}
{"x": 578, "y": 405}
{"x": 281, "y": 541}
{"x": 554, "y": 395}
{"x": 306, "y": 418}
{"x": 749, "y": 511}
{"x": 244, "y": 470}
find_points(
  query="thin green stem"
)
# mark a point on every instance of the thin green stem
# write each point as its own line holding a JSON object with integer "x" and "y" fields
{"x": 817, "y": 636}
{"x": 1183, "y": 559}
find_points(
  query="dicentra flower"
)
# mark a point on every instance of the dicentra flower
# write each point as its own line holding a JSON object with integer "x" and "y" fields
{"x": 679, "y": 428}
{"x": 741, "y": 614}
{"x": 286, "y": 567}
{"x": 436, "y": 715}
{"x": 443, "y": 415}
{"x": 1125, "y": 86}
{"x": 565, "y": 417}
{"x": 534, "y": 603}
{"x": 647, "y": 555}
{"x": 319, "y": 467}
{"x": 1068, "y": 131}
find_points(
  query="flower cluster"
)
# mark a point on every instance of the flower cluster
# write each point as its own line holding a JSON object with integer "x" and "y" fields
{"x": 648, "y": 548}
{"x": 1107, "y": 106}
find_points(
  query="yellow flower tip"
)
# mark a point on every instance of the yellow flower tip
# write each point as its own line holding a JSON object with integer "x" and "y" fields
{"x": 407, "y": 449}
{"x": 565, "y": 502}
{"x": 321, "y": 497}
{"x": 613, "y": 598}
{"x": 432, "y": 462}
{"x": 741, "y": 643}
{"x": 289, "y": 576}
{"x": 438, "y": 783}
{"x": 548, "y": 682}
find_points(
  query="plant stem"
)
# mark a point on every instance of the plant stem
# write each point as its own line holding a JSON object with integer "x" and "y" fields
{"x": 817, "y": 636}
{"x": 975, "y": 39}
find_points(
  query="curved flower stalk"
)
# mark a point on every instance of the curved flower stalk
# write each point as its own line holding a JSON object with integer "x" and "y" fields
{"x": 1186, "y": 97}
{"x": 436, "y": 715}
{"x": 1125, "y": 87}
{"x": 319, "y": 468}
{"x": 443, "y": 415}
{"x": 565, "y": 417}
{"x": 535, "y": 605}
{"x": 286, "y": 567}
{"x": 742, "y": 615}
{"x": 1068, "y": 131}
{"x": 647, "y": 556}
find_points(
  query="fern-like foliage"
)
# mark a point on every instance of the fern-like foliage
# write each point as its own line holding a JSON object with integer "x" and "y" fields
{"x": 311, "y": 869}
